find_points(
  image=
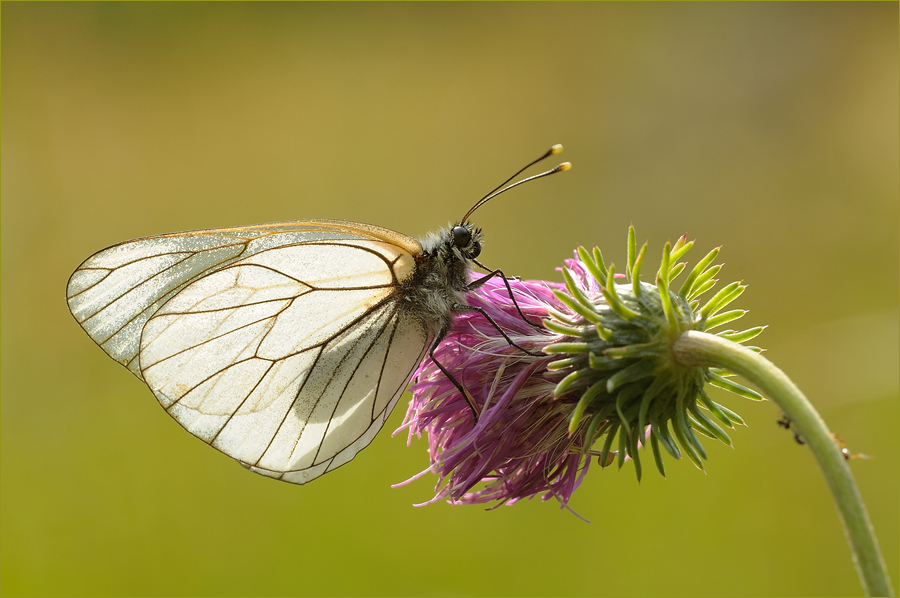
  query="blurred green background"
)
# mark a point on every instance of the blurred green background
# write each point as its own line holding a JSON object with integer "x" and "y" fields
{"x": 769, "y": 128}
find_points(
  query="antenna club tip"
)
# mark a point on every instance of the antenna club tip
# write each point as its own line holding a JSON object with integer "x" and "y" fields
{"x": 564, "y": 166}
{"x": 556, "y": 149}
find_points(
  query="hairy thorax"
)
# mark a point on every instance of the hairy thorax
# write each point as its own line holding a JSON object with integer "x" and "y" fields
{"x": 436, "y": 287}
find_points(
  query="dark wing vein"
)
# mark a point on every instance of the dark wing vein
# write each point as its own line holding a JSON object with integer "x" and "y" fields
{"x": 244, "y": 400}
{"x": 226, "y": 368}
{"x": 93, "y": 284}
{"x": 389, "y": 320}
{"x": 218, "y": 336}
{"x": 129, "y": 289}
{"x": 307, "y": 378}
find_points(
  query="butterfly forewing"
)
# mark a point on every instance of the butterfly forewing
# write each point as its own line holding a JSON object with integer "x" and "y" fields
{"x": 281, "y": 345}
{"x": 115, "y": 291}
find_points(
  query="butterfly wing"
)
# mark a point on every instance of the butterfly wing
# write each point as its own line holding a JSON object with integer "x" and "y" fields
{"x": 282, "y": 345}
{"x": 115, "y": 291}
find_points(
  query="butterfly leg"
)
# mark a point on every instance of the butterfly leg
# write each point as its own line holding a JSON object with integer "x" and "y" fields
{"x": 463, "y": 307}
{"x": 491, "y": 273}
{"x": 459, "y": 387}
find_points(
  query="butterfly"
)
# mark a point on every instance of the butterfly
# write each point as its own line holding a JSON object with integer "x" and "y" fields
{"x": 283, "y": 345}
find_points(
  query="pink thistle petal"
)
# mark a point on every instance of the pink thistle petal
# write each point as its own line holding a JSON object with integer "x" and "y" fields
{"x": 520, "y": 447}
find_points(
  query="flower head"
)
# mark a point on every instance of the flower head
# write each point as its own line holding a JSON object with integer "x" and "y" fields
{"x": 520, "y": 445}
{"x": 607, "y": 372}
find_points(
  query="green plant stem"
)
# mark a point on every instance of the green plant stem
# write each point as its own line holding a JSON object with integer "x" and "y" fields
{"x": 700, "y": 349}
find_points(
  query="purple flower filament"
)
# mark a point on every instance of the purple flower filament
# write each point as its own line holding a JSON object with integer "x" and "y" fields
{"x": 520, "y": 446}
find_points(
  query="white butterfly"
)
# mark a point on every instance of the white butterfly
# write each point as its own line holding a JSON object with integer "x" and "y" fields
{"x": 283, "y": 345}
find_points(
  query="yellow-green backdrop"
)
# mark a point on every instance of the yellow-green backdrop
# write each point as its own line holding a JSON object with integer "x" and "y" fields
{"x": 771, "y": 129}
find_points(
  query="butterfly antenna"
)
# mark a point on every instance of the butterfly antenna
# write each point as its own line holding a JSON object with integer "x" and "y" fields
{"x": 501, "y": 187}
{"x": 553, "y": 150}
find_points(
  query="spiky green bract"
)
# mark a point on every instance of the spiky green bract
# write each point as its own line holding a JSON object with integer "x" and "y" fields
{"x": 617, "y": 355}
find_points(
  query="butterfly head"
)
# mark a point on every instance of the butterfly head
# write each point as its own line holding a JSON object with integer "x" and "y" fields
{"x": 465, "y": 240}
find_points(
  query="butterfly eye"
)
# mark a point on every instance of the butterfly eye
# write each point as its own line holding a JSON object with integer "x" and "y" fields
{"x": 461, "y": 236}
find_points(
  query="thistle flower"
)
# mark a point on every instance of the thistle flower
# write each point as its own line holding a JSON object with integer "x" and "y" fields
{"x": 608, "y": 374}
{"x": 622, "y": 359}
{"x": 520, "y": 445}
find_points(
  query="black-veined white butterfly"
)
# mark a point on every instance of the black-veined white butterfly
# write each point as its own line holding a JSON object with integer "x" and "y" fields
{"x": 284, "y": 345}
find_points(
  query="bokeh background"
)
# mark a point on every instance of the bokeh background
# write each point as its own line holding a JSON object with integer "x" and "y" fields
{"x": 771, "y": 129}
